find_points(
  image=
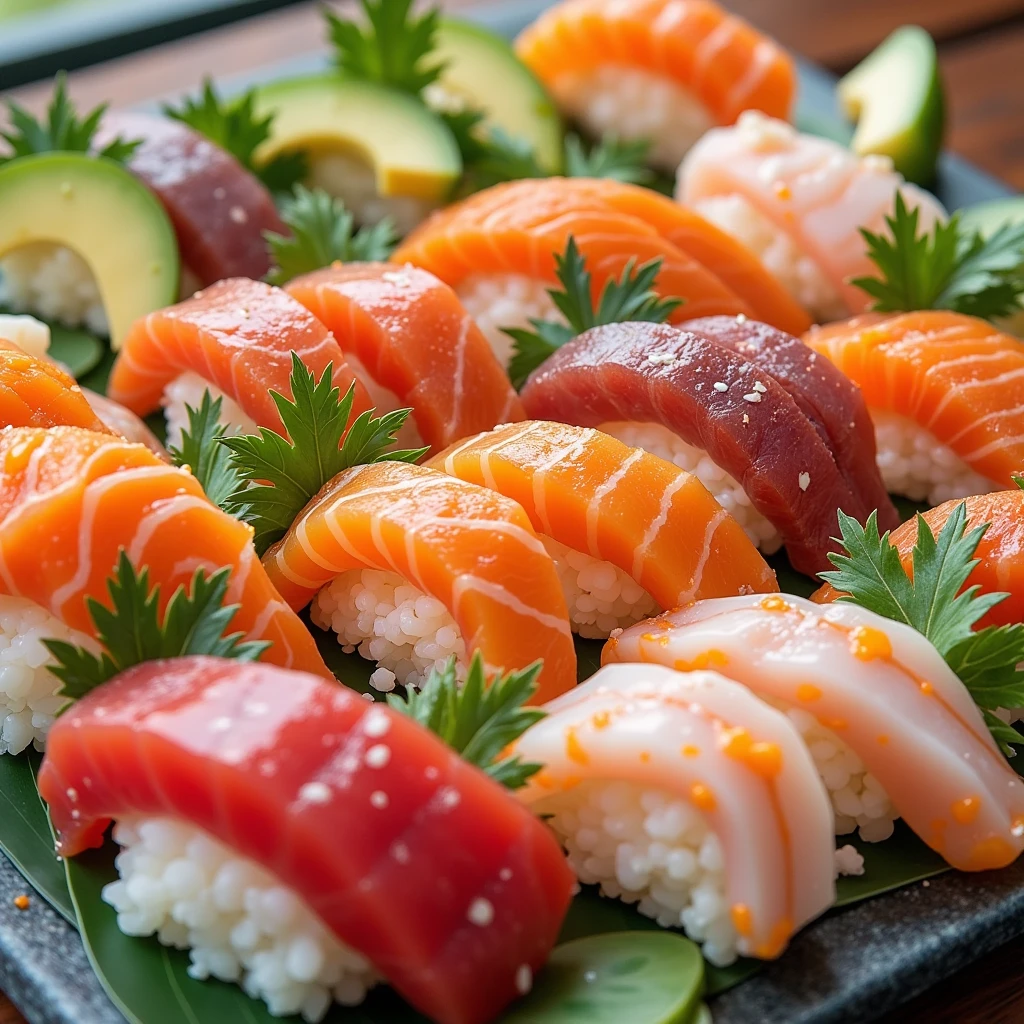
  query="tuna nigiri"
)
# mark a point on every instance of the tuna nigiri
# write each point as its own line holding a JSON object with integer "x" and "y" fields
{"x": 236, "y": 340}
{"x": 70, "y": 500}
{"x": 714, "y": 408}
{"x": 946, "y": 393}
{"x": 999, "y": 554}
{"x": 687, "y": 795}
{"x": 411, "y": 567}
{"x": 629, "y": 533}
{"x": 229, "y": 779}
{"x": 407, "y": 337}
{"x": 800, "y": 202}
{"x": 664, "y": 70}
{"x": 893, "y": 731}
{"x": 497, "y": 250}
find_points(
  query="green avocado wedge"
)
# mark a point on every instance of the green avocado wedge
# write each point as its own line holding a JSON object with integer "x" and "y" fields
{"x": 482, "y": 69}
{"x": 411, "y": 151}
{"x": 98, "y": 209}
{"x": 895, "y": 95}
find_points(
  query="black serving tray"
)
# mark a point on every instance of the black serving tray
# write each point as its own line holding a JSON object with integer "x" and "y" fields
{"x": 852, "y": 966}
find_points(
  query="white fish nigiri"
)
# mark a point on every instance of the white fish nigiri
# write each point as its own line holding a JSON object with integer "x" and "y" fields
{"x": 799, "y": 202}
{"x": 684, "y": 793}
{"x": 885, "y": 708}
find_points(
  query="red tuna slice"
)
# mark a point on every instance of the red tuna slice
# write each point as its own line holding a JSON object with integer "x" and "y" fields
{"x": 748, "y": 424}
{"x": 295, "y": 785}
{"x": 219, "y": 209}
{"x": 827, "y": 397}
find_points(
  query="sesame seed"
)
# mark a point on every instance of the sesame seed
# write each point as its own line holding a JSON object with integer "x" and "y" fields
{"x": 378, "y": 755}
{"x": 315, "y": 793}
{"x": 376, "y": 722}
{"x": 926, "y": 883}
{"x": 238, "y": 214}
{"x": 481, "y": 912}
{"x": 449, "y": 797}
{"x": 72, "y": 795}
{"x": 379, "y": 799}
{"x": 661, "y": 358}
{"x": 720, "y": 385}
{"x": 505, "y": 874}
{"x": 76, "y": 814}
{"x": 804, "y": 480}
{"x": 741, "y": 318}
{"x": 758, "y": 386}
{"x": 524, "y": 979}
{"x": 430, "y": 772}
{"x": 746, "y": 418}
{"x": 368, "y": 696}
{"x": 752, "y": 396}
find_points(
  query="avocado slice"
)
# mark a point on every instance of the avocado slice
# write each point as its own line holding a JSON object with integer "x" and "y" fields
{"x": 98, "y": 209}
{"x": 987, "y": 218}
{"x": 482, "y": 70}
{"x": 895, "y": 95}
{"x": 411, "y": 151}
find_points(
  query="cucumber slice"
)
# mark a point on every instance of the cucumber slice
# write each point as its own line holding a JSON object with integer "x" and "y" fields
{"x": 895, "y": 95}
{"x": 641, "y": 977}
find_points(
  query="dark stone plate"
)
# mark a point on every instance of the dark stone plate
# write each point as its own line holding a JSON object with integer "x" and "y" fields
{"x": 853, "y": 966}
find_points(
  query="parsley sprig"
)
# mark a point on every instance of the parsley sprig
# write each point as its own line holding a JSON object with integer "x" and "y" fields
{"x": 62, "y": 131}
{"x": 946, "y": 268}
{"x": 210, "y": 462}
{"x": 322, "y": 231}
{"x": 478, "y": 720}
{"x": 870, "y": 573}
{"x": 132, "y": 630}
{"x": 234, "y": 126}
{"x": 610, "y": 158}
{"x": 281, "y": 474}
{"x": 631, "y": 298}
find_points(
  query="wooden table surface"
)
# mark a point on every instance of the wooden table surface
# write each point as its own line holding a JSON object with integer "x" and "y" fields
{"x": 981, "y": 44}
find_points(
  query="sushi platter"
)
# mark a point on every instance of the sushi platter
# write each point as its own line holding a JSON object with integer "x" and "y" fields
{"x": 520, "y": 523}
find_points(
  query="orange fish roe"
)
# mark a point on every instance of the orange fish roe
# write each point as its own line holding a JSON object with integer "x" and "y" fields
{"x": 926, "y": 688}
{"x": 807, "y": 692}
{"x": 645, "y": 756}
{"x": 882, "y": 739}
{"x": 775, "y": 603}
{"x": 764, "y": 759}
{"x": 868, "y": 644}
{"x": 776, "y": 941}
{"x": 782, "y": 190}
{"x": 690, "y": 750}
{"x": 703, "y": 796}
{"x": 600, "y": 719}
{"x": 574, "y": 749}
{"x": 706, "y": 659}
{"x": 966, "y": 810}
{"x": 742, "y": 920}
{"x": 22, "y": 902}
{"x": 991, "y": 853}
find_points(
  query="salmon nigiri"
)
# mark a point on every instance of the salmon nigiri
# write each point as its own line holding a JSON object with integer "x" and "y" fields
{"x": 661, "y": 70}
{"x": 893, "y": 731}
{"x": 411, "y": 567}
{"x": 363, "y": 847}
{"x": 234, "y": 339}
{"x": 685, "y": 794}
{"x": 629, "y": 533}
{"x": 497, "y": 249}
{"x": 999, "y": 554}
{"x": 800, "y": 202}
{"x": 407, "y": 337}
{"x": 946, "y": 393}
{"x": 70, "y": 501}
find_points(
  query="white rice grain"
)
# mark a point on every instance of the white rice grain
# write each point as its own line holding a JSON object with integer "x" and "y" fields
{"x": 28, "y": 689}
{"x": 390, "y": 622}
{"x": 727, "y": 491}
{"x": 238, "y": 922}
{"x": 187, "y": 390}
{"x": 914, "y": 463}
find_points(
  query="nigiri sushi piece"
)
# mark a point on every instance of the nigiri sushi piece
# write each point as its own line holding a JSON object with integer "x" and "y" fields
{"x": 497, "y": 250}
{"x": 660, "y": 70}
{"x": 716, "y": 410}
{"x": 124, "y": 422}
{"x": 444, "y": 885}
{"x": 800, "y": 203}
{"x": 893, "y": 732}
{"x": 405, "y": 334}
{"x": 70, "y": 501}
{"x": 685, "y": 794}
{"x": 946, "y": 393}
{"x": 235, "y": 339}
{"x": 410, "y": 567}
{"x": 1000, "y": 565}
{"x": 629, "y": 533}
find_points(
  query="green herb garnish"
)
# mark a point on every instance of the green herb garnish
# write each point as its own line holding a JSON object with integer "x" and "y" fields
{"x": 61, "y": 132}
{"x": 281, "y": 475}
{"x": 629, "y": 299}
{"x": 477, "y": 719}
{"x": 132, "y": 630}
{"x": 322, "y": 231}
{"x": 609, "y": 158}
{"x": 234, "y": 126}
{"x": 871, "y": 574}
{"x": 209, "y": 461}
{"x": 947, "y": 268}
{"x": 392, "y": 47}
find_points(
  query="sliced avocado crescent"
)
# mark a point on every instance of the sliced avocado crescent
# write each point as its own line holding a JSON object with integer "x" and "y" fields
{"x": 482, "y": 70}
{"x": 98, "y": 209}
{"x": 411, "y": 151}
{"x": 895, "y": 95}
